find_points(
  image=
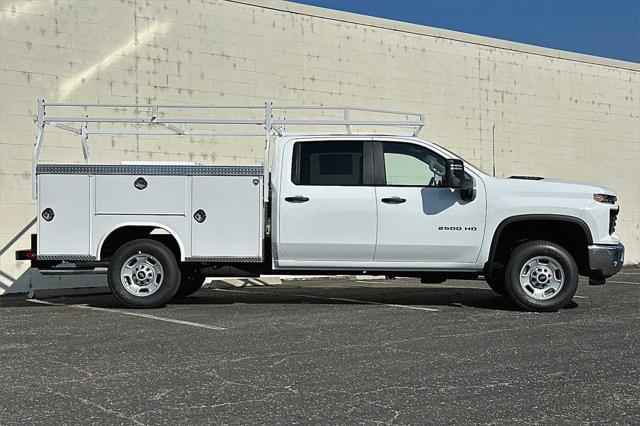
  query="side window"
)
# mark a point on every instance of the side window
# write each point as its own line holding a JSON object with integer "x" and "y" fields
{"x": 412, "y": 165}
{"x": 328, "y": 163}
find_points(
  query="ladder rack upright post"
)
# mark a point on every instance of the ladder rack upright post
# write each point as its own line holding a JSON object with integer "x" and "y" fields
{"x": 37, "y": 146}
{"x": 268, "y": 119}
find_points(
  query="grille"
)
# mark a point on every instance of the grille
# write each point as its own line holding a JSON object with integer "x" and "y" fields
{"x": 613, "y": 217}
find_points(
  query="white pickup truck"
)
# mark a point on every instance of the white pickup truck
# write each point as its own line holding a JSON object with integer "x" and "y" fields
{"x": 332, "y": 203}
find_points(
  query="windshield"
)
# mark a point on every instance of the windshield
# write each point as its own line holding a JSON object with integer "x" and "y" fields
{"x": 480, "y": 169}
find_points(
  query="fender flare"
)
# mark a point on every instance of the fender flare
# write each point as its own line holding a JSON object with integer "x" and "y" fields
{"x": 525, "y": 217}
{"x": 141, "y": 224}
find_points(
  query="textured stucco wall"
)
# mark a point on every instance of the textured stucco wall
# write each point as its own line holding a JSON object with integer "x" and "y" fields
{"x": 548, "y": 112}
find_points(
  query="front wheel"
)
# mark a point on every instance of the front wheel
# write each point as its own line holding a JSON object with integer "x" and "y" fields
{"x": 143, "y": 274}
{"x": 541, "y": 276}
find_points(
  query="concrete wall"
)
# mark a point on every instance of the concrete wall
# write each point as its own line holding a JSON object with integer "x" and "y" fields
{"x": 547, "y": 112}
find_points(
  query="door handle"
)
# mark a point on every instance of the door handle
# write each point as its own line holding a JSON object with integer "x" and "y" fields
{"x": 393, "y": 200}
{"x": 297, "y": 199}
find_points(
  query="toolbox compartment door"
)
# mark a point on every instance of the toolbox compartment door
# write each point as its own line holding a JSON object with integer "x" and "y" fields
{"x": 141, "y": 195}
{"x": 232, "y": 226}
{"x": 68, "y": 197}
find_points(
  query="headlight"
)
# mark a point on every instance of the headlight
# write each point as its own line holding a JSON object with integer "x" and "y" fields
{"x": 604, "y": 198}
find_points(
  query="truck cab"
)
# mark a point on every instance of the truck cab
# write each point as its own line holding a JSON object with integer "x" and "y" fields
{"x": 384, "y": 203}
{"x": 374, "y": 203}
{"x": 326, "y": 204}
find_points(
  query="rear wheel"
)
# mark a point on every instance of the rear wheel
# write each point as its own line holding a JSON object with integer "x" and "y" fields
{"x": 143, "y": 274}
{"x": 541, "y": 276}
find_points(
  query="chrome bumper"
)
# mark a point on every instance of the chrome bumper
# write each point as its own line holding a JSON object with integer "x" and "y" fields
{"x": 605, "y": 260}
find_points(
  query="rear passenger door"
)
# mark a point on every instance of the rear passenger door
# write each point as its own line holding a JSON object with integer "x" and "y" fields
{"x": 326, "y": 205}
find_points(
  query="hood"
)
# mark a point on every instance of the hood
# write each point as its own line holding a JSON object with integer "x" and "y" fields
{"x": 575, "y": 187}
{"x": 598, "y": 188}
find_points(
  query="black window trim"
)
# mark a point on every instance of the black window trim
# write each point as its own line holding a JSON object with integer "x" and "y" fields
{"x": 367, "y": 162}
{"x": 381, "y": 172}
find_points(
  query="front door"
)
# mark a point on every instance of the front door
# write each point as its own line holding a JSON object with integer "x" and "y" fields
{"x": 419, "y": 220}
{"x": 326, "y": 205}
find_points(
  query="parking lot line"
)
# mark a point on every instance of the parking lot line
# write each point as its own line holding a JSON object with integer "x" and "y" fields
{"x": 624, "y": 282}
{"x": 340, "y": 299}
{"x": 134, "y": 314}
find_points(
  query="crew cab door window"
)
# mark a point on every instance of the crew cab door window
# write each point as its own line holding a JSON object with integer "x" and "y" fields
{"x": 328, "y": 163}
{"x": 412, "y": 165}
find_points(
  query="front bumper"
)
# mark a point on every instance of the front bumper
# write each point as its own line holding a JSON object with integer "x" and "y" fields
{"x": 605, "y": 260}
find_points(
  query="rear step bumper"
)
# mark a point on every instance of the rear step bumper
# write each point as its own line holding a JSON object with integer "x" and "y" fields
{"x": 26, "y": 254}
{"x": 65, "y": 265}
{"x": 30, "y": 254}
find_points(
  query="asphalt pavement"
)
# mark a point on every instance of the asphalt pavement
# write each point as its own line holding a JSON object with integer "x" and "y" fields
{"x": 324, "y": 351}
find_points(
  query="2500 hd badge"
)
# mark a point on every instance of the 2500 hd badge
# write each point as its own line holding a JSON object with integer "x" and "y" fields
{"x": 457, "y": 228}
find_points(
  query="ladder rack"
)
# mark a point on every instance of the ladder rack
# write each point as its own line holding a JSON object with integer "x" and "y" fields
{"x": 267, "y": 121}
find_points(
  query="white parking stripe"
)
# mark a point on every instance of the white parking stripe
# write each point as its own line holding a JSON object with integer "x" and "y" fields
{"x": 367, "y": 302}
{"x": 339, "y": 299}
{"x": 44, "y": 302}
{"x": 134, "y": 314}
{"x": 624, "y": 282}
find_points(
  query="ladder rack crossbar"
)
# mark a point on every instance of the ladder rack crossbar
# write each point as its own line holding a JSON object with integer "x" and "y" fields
{"x": 152, "y": 120}
{"x": 369, "y": 110}
{"x": 149, "y": 106}
{"x": 168, "y": 132}
{"x": 349, "y": 123}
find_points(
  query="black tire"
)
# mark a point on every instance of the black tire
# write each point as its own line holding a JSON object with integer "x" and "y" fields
{"x": 549, "y": 252}
{"x": 497, "y": 283}
{"x": 167, "y": 280}
{"x": 191, "y": 282}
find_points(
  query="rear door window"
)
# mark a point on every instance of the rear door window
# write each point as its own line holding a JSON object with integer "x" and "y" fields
{"x": 328, "y": 163}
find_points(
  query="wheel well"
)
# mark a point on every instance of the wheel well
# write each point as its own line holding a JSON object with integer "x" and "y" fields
{"x": 572, "y": 235}
{"x": 123, "y": 235}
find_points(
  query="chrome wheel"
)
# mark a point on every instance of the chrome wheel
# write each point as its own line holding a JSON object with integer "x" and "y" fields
{"x": 542, "y": 277}
{"x": 141, "y": 275}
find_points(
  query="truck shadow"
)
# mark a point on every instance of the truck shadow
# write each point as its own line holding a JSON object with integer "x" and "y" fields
{"x": 398, "y": 296}
{"x": 413, "y": 298}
